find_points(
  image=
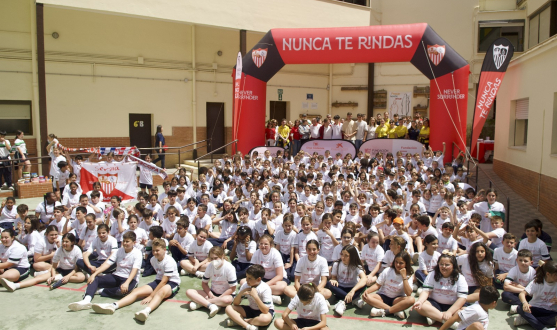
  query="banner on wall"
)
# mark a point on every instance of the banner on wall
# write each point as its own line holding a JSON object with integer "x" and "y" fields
{"x": 334, "y": 146}
{"x": 400, "y": 103}
{"x": 116, "y": 179}
{"x": 372, "y": 147}
{"x": 494, "y": 68}
{"x": 261, "y": 151}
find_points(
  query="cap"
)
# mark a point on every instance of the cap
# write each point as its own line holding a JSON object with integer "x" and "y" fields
{"x": 398, "y": 221}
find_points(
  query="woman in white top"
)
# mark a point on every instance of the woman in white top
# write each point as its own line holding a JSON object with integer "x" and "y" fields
{"x": 14, "y": 265}
{"x": 444, "y": 291}
{"x": 371, "y": 129}
{"x": 489, "y": 208}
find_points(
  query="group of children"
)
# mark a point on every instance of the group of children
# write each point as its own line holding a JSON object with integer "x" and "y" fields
{"x": 369, "y": 231}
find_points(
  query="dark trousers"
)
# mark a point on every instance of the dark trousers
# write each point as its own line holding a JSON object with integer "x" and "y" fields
{"x": 6, "y": 174}
{"x": 241, "y": 268}
{"x": 498, "y": 284}
{"x": 111, "y": 285}
{"x": 290, "y": 271}
{"x": 161, "y": 156}
{"x": 340, "y": 291}
{"x": 94, "y": 262}
{"x": 420, "y": 276}
{"x": 220, "y": 241}
{"x": 177, "y": 255}
{"x": 512, "y": 298}
{"x": 148, "y": 269}
{"x": 539, "y": 318}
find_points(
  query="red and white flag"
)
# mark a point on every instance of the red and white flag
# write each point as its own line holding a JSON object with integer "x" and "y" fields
{"x": 116, "y": 179}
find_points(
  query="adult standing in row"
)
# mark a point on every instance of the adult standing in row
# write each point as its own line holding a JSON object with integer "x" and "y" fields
{"x": 413, "y": 131}
{"x": 337, "y": 128}
{"x": 295, "y": 137}
{"x": 326, "y": 131}
{"x": 303, "y": 129}
{"x": 349, "y": 128}
{"x": 424, "y": 133}
{"x": 361, "y": 130}
{"x": 160, "y": 143}
{"x": 371, "y": 129}
{"x": 282, "y": 134}
{"x": 314, "y": 129}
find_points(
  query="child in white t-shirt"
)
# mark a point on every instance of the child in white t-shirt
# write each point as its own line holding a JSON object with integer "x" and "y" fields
{"x": 373, "y": 255}
{"x": 476, "y": 314}
{"x": 311, "y": 307}
{"x": 517, "y": 280}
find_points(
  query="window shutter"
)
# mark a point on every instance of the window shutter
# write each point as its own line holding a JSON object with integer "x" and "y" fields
{"x": 521, "y": 111}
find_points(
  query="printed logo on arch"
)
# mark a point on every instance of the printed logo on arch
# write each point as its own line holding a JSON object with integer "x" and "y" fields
{"x": 436, "y": 53}
{"x": 259, "y": 55}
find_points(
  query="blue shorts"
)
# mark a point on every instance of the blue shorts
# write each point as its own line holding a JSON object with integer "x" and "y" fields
{"x": 253, "y": 313}
{"x": 471, "y": 289}
{"x": 63, "y": 272}
{"x": 23, "y": 273}
{"x": 173, "y": 286}
{"x": 440, "y": 307}
{"x": 284, "y": 279}
{"x": 144, "y": 185}
{"x": 305, "y": 323}
{"x": 387, "y": 300}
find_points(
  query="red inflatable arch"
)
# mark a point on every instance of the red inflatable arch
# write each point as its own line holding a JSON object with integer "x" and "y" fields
{"x": 414, "y": 43}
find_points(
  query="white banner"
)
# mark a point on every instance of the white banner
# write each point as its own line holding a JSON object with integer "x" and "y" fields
{"x": 372, "y": 147}
{"x": 400, "y": 103}
{"x": 334, "y": 146}
{"x": 116, "y": 179}
{"x": 261, "y": 151}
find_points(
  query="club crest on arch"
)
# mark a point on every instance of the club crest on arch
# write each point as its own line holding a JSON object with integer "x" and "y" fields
{"x": 436, "y": 53}
{"x": 259, "y": 55}
{"x": 108, "y": 181}
{"x": 499, "y": 55}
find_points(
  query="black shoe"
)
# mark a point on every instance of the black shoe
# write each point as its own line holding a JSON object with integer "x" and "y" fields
{"x": 56, "y": 285}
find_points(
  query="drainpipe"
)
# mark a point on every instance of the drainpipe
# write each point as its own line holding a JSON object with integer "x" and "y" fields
{"x": 330, "y": 107}
{"x": 35, "y": 84}
{"x": 193, "y": 86}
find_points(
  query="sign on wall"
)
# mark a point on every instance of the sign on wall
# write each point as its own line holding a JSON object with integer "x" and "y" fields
{"x": 400, "y": 103}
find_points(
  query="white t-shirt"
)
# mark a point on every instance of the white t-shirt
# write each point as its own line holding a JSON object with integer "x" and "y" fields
{"x": 260, "y": 227}
{"x": 499, "y": 239}
{"x": 429, "y": 231}
{"x": 88, "y": 236}
{"x": 326, "y": 243}
{"x": 241, "y": 251}
{"x": 140, "y": 235}
{"x": 200, "y": 252}
{"x": 67, "y": 259}
{"x": 15, "y": 253}
{"x": 186, "y": 241}
{"x": 285, "y": 241}
{"x": 485, "y": 267}
{"x": 44, "y": 247}
{"x": 542, "y": 294}
{"x": 271, "y": 262}
{"x": 311, "y": 311}
{"x": 125, "y": 262}
{"x": 311, "y": 271}
{"x": 372, "y": 256}
{"x": 301, "y": 241}
{"x": 8, "y": 215}
{"x": 392, "y": 284}
{"x": 443, "y": 291}
{"x": 505, "y": 261}
{"x": 105, "y": 249}
{"x": 538, "y": 248}
{"x": 145, "y": 175}
{"x": 204, "y": 222}
{"x": 472, "y": 314}
{"x": 387, "y": 259}
{"x": 516, "y": 276}
{"x": 46, "y": 211}
{"x": 427, "y": 262}
{"x": 221, "y": 279}
{"x": 166, "y": 267}
{"x": 227, "y": 229}
{"x": 264, "y": 293}
{"x": 157, "y": 210}
{"x": 169, "y": 227}
{"x": 337, "y": 251}
{"x": 446, "y": 243}
{"x": 347, "y": 277}
{"x": 143, "y": 225}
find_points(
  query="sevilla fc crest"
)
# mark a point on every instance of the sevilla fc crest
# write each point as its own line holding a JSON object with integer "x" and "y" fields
{"x": 108, "y": 181}
{"x": 436, "y": 53}
{"x": 259, "y": 55}
{"x": 499, "y": 55}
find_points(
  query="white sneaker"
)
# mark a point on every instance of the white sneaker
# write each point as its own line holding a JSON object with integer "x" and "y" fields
{"x": 37, "y": 274}
{"x": 86, "y": 276}
{"x": 58, "y": 277}
{"x": 142, "y": 315}
{"x": 328, "y": 304}
{"x": 277, "y": 300}
{"x": 401, "y": 315}
{"x": 9, "y": 285}
{"x": 251, "y": 327}
{"x": 454, "y": 326}
{"x": 79, "y": 306}
{"x": 513, "y": 310}
{"x": 230, "y": 323}
{"x": 377, "y": 312}
{"x": 340, "y": 307}
{"x": 213, "y": 310}
{"x": 194, "y": 305}
{"x": 199, "y": 274}
{"x": 519, "y": 320}
{"x": 360, "y": 303}
{"x": 183, "y": 272}
{"x": 419, "y": 291}
{"x": 415, "y": 258}
{"x": 141, "y": 270}
{"x": 104, "y": 308}
{"x": 429, "y": 321}
{"x": 99, "y": 291}
{"x": 226, "y": 252}
{"x": 414, "y": 287}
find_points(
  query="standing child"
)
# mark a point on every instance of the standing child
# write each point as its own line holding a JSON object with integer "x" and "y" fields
{"x": 475, "y": 316}
{"x": 348, "y": 279}
{"x": 128, "y": 262}
{"x": 165, "y": 286}
{"x": 311, "y": 307}
{"x": 518, "y": 279}
{"x": 222, "y": 276}
{"x": 260, "y": 311}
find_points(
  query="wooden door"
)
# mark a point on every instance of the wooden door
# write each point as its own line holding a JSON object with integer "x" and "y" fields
{"x": 215, "y": 126}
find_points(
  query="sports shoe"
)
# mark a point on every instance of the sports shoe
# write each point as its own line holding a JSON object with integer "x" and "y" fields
{"x": 141, "y": 270}
{"x": 277, "y": 300}
{"x": 360, "y": 303}
{"x": 328, "y": 304}
{"x": 377, "y": 312}
{"x": 414, "y": 287}
{"x": 142, "y": 315}
{"x": 230, "y": 323}
{"x": 519, "y": 320}
{"x": 227, "y": 252}
{"x": 401, "y": 315}
{"x": 199, "y": 274}
{"x": 9, "y": 285}
{"x": 251, "y": 327}
{"x": 513, "y": 310}
{"x": 340, "y": 307}
{"x": 99, "y": 291}
{"x": 11, "y": 188}
{"x": 194, "y": 305}
{"x": 104, "y": 308}
{"x": 419, "y": 291}
{"x": 454, "y": 326}
{"x": 56, "y": 285}
{"x": 79, "y": 306}
{"x": 41, "y": 273}
{"x": 415, "y": 258}
{"x": 183, "y": 272}
{"x": 213, "y": 310}
{"x": 429, "y": 321}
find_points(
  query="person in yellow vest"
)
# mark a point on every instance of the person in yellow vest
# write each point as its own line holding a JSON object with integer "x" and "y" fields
{"x": 283, "y": 132}
{"x": 424, "y": 133}
{"x": 382, "y": 130}
{"x": 401, "y": 130}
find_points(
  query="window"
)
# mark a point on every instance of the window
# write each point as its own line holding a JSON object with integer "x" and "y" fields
{"x": 357, "y": 2}
{"x": 521, "y": 123}
{"x": 542, "y": 24}
{"x": 512, "y": 29}
{"x": 16, "y": 115}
